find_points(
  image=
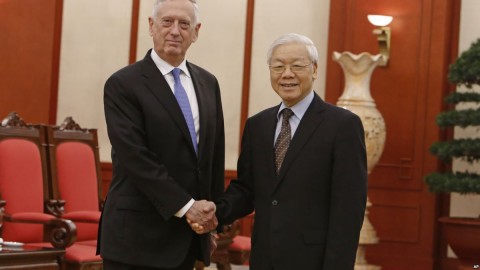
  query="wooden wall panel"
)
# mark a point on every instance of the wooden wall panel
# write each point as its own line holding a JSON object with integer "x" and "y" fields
{"x": 408, "y": 93}
{"x": 29, "y": 34}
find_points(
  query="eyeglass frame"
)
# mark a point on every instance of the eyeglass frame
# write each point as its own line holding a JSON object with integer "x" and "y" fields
{"x": 280, "y": 69}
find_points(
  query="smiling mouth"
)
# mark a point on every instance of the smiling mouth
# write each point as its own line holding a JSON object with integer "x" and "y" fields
{"x": 289, "y": 84}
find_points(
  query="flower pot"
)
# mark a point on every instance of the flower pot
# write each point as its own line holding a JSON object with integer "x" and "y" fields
{"x": 463, "y": 236}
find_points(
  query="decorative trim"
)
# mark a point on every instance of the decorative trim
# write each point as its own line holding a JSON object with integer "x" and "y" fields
{"x": 247, "y": 63}
{"x": 57, "y": 42}
{"x": 13, "y": 120}
{"x": 70, "y": 125}
{"x": 134, "y": 31}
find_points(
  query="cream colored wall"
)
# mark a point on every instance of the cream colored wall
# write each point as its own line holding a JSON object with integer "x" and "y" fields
{"x": 467, "y": 205}
{"x": 95, "y": 43}
{"x": 220, "y": 49}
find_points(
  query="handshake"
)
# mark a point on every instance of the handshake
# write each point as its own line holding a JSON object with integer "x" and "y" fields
{"x": 201, "y": 216}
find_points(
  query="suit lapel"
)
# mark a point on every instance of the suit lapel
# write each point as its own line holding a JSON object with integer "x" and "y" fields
{"x": 309, "y": 123}
{"x": 157, "y": 84}
{"x": 203, "y": 106}
{"x": 268, "y": 136}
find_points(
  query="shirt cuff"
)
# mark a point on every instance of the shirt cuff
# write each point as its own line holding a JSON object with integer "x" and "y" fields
{"x": 184, "y": 209}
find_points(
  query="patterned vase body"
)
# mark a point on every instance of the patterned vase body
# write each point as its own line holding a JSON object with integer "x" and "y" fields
{"x": 356, "y": 97}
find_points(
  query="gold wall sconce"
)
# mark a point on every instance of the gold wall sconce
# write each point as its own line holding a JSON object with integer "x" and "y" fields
{"x": 383, "y": 35}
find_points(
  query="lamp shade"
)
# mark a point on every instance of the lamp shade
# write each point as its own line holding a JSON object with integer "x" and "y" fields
{"x": 380, "y": 20}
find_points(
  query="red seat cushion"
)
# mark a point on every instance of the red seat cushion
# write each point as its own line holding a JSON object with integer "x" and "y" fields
{"x": 92, "y": 243}
{"x": 82, "y": 253}
{"x": 77, "y": 179}
{"x": 77, "y": 176}
{"x": 87, "y": 216}
{"x": 21, "y": 185}
{"x": 241, "y": 242}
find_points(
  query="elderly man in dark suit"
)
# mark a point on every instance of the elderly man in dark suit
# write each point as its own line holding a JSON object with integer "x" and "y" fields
{"x": 303, "y": 169}
{"x": 165, "y": 124}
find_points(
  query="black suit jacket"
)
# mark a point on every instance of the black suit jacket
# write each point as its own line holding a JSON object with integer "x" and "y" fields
{"x": 155, "y": 168}
{"x": 309, "y": 217}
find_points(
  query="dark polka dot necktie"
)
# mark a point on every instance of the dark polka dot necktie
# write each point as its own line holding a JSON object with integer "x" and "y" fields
{"x": 283, "y": 139}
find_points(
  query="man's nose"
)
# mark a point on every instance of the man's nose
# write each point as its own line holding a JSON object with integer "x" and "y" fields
{"x": 175, "y": 29}
{"x": 288, "y": 72}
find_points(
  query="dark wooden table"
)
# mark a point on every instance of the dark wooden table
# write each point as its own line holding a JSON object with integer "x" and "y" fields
{"x": 31, "y": 257}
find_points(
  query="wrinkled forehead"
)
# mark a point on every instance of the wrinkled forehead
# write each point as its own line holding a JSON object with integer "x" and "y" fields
{"x": 180, "y": 9}
{"x": 289, "y": 53}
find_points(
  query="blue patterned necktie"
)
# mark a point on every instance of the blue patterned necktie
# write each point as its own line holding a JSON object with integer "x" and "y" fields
{"x": 182, "y": 100}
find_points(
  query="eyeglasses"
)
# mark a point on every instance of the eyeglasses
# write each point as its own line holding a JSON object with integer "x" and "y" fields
{"x": 293, "y": 68}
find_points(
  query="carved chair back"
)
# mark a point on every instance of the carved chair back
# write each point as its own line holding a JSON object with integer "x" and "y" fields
{"x": 23, "y": 177}
{"x": 75, "y": 173}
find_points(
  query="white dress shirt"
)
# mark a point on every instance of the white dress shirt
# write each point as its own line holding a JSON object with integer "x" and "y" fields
{"x": 166, "y": 70}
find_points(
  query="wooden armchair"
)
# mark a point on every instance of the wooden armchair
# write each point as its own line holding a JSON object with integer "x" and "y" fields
{"x": 232, "y": 248}
{"x": 240, "y": 248}
{"x": 76, "y": 180}
{"x": 220, "y": 256}
{"x": 24, "y": 195}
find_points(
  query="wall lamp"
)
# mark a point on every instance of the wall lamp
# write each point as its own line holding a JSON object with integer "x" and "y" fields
{"x": 383, "y": 35}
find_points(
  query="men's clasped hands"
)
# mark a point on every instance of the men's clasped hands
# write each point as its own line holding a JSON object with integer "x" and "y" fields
{"x": 201, "y": 217}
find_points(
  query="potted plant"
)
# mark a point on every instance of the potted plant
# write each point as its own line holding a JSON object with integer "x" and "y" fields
{"x": 462, "y": 234}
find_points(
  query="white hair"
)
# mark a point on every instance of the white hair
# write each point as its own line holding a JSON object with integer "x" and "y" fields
{"x": 196, "y": 11}
{"x": 294, "y": 38}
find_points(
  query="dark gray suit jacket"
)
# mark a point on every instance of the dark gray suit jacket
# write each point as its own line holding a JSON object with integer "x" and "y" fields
{"x": 309, "y": 217}
{"x": 155, "y": 168}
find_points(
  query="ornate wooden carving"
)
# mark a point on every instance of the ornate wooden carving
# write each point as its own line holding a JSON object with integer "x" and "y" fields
{"x": 55, "y": 207}
{"x": 70, "y": 125}
{"x": 13, "y": 120}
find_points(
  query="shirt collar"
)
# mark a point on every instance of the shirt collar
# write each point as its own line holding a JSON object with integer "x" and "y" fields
{"x": 165, "y": 67}
{"x": 300, "y": 108}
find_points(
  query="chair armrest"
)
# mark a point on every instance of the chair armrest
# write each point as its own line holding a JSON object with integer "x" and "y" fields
{"x": 83, "y": 216}
{"x": 61, "y": 233}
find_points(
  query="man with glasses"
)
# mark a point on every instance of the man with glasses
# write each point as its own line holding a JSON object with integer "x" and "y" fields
{"x": 302, "y": 169}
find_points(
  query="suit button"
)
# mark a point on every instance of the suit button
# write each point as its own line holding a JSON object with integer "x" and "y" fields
{"x": 274, "y": 202}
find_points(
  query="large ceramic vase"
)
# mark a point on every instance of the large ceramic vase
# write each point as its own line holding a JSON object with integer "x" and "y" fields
{"x": 356, "y": 97}
{"x": 463, "y": 236}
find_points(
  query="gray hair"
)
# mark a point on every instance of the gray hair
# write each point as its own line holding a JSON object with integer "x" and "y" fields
{"x": 294, "y": 38}
{"x": 196, "y": 11}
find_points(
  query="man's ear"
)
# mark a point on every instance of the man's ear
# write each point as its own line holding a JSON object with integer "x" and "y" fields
{"x": 150, "y": 26}
{"x": 315, "y": 73}
{"x": 197, "y": 30}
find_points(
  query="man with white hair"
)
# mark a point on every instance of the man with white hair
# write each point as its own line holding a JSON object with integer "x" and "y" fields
{"x": 302, "y": 169}
{"x": 165, "y": 123}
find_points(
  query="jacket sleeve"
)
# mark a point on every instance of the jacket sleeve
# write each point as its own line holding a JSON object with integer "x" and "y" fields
{"x": 238, "y": 199}
{"x": 348, "y": 195}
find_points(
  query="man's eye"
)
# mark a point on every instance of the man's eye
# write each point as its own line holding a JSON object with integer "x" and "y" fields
{"x": 184, "y": 25}
{"x": 278, "y": 68}
{"x": 167, "y": 22}
{"x": 297, "y": 67}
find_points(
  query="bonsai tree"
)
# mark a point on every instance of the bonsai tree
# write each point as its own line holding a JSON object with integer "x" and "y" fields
{"x": 465, "y": 71}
